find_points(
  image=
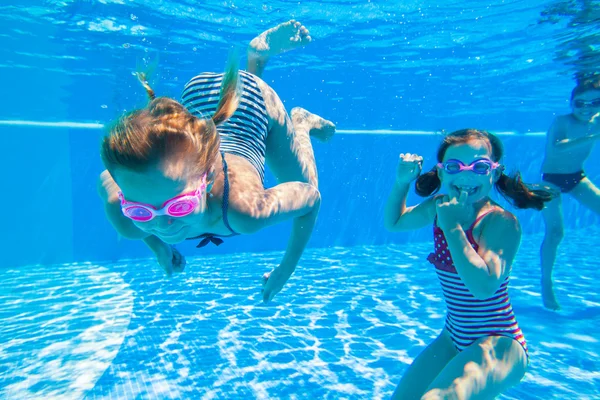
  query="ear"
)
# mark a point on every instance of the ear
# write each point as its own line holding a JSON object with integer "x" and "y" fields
{"x": 209, "y": 186}
{"x": 498, "y": 173}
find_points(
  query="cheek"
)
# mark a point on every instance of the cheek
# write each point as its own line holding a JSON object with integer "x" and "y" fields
{"x": 488, "y": 183}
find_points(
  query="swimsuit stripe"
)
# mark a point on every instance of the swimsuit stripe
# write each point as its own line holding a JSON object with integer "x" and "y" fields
{"x": 245, "y": 133}
{"x": 468, "y": 318}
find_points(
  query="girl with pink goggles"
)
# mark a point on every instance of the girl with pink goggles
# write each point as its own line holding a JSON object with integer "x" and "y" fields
{"x": 177, "y": 207}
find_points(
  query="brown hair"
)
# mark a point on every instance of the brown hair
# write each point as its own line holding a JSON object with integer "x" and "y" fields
{"x": 585, "y": 85}
{"x": 512, "y": 188}
{"x": 165, "y": 128}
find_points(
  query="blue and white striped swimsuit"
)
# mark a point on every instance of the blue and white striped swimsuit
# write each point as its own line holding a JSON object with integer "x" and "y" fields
{"x": 468, "y": 318}
{"x": 245, "y": 133}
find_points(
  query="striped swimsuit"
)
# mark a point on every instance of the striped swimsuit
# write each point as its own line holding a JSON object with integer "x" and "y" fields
{"x": 245, "y": 133}
{"x": 469, "y": 319}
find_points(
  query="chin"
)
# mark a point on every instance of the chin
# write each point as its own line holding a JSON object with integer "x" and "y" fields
{"x": 586, "y": 118}
{"x": 174, "y": 239}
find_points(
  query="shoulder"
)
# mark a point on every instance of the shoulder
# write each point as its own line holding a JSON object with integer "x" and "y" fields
{"x": 501, "y": 224}
{"x": 107, "y": 188}
{"x": 246, "y": 194}
{"x": 559, "y": 125}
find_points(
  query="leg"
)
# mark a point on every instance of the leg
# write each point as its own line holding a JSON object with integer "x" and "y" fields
{"x": 277, "y": 40}
{"x": 587, "y": 194}
{"x": 289, "y": 149}
{"x": 482, "y": 371}
{"x": 425, "y": 368}
{"x": 553, "y": 220}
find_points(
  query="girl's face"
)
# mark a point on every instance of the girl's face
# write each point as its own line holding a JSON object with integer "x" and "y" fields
{"x": 476, "y": 185}
{"x": 154, "y": 188}
{"x": 586, "y": 106}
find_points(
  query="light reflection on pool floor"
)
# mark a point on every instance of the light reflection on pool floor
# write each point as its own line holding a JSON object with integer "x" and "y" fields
{"x": 345, "y": 327}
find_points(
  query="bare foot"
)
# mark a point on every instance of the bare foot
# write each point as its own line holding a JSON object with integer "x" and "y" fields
{"x": 549, "y": 297}
{"x": 317, "y": 127}
{"x": 284, "y": 37}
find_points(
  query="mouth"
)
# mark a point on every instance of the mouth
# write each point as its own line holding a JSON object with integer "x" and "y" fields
{"x": 470, "y": 190}
{"x": 169, "y": 235}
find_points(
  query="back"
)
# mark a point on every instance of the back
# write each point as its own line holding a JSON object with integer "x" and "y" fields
{"x": 245, "y": 133}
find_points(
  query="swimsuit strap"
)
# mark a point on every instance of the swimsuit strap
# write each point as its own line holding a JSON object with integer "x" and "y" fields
{"x": 210, "y": 237}
{"x": 469, "y": 231}
{"x": 481, "y": 217}
{"x": 476, "y": 220}
{"x": 225, "y": 204}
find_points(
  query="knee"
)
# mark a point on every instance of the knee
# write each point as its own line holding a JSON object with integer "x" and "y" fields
{"x": 555, "y": 234}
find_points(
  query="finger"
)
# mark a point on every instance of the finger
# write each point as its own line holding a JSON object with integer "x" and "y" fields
{"x": 463, "y": 197}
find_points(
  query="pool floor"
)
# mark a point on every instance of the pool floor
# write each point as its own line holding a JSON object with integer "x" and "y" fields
{"x": 346, "y": 326}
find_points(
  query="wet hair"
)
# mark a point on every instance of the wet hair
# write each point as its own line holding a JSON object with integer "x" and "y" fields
{"x": 512, "y": 188}
{"x": 586, "y": 85}
{"x": 165, "y": 129}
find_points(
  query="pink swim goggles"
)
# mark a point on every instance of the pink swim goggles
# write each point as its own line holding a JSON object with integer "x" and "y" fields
{"x": 177, "y": 207}
{"x": 482, "y": 166}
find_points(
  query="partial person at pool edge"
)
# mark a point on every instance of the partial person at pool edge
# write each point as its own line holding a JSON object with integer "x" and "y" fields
{"x": 569, "y": 142}
{"x": 479, "y": 354}
{"x": 173, "y": 175}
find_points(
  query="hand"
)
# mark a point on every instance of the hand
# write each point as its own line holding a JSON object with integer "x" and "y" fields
{"x": 171, "y": 260}
{"x": 409, "y": 168}
{"x": 450, "y": 211}
{"x": 273, "y": 282}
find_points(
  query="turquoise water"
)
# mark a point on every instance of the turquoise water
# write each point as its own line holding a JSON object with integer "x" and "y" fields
{"x": 86, "y": 314}
{"x": 346, "y": 326}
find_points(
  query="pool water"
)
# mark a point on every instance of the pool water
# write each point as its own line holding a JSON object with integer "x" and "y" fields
{"x": 346, "y": 326}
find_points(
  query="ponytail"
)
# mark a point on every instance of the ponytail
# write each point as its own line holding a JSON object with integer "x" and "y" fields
{"x": 521, "y": 195}
{"x": 149, "y": 91}
{"x": 428, "y": 183}
{"x": 230, "y": 93}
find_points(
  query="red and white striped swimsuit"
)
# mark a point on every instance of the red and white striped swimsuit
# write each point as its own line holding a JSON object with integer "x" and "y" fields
{"x": 469, "y": 319}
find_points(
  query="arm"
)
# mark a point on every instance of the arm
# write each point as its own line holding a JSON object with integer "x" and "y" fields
{"x": 557, "y": 137}
{"x": 566, "y": 144}
{"x": 484, "y": 271}
{"x": 291, "y": 200}
{"x": 398, "y": 217}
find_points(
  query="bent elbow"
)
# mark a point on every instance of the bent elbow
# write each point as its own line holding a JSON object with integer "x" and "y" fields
{"x": 485, "y": 291}
{"x": 389, "y": 225}
{"x": 316, "y": 199}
